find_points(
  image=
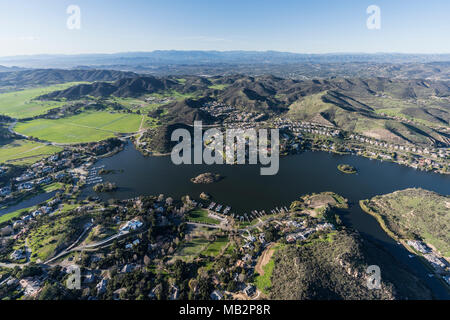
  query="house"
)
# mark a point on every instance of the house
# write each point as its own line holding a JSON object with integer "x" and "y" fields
{"x": 419, "y": 246}
{"x": 6, "y": 231}
{"x": 152, "y": 295}
{"x": 323, "y": 226}
{"x": 174, "y": 293}
{"x": 25, "y": 186}
{"x": 36, "y": 213}
{"x": 5, "y": 191}
{"x": 60, "y": 176}
{"x": 101, "y": 286}
{"x": 128, "y": 268}
{"x": 118, "y": 293}
{"x": 17, "y": 224}
{"x": 89, "y": 278}
{"x": 261, "y": 238}
{"x": 47, "y": 169}
{"x": 131, "y": 225}
{"x": 31, "y": 287}
{"x": 250, "y": 290}
{"x": 17, "y": 255}
{"x": 46, "y": 209}
{"x": 437, "y": 262}
{"x": 216, "y": 295}
{"x": 45, "y": 180}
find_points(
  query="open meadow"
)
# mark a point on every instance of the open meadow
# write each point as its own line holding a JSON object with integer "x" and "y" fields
{"x": 25, "y": 152}
{"x": 20, "y": 104}
{"x": 85, "y": 127}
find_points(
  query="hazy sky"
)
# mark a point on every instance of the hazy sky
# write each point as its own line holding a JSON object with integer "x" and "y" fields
{"x": 316, "y": 26}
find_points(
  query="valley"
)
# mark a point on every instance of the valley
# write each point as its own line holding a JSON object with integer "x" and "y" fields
{"x": 84, "y": 182}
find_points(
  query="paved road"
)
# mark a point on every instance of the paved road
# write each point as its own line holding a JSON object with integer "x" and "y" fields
{"x": 69, "y": 248}
{"x": 214, "y": 226}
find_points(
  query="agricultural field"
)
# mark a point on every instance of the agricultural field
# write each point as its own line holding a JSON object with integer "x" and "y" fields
{"x": 20, "y": 104}
{"x": 25, "y": 152}
{"x": 130, "y": 103}
{"x": 85, "y": 127}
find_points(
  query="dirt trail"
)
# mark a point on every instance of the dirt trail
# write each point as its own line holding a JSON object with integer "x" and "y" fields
{"x": 264, "y": 259}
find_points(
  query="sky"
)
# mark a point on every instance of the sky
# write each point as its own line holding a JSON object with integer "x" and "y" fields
{"x": 315, "y": 26}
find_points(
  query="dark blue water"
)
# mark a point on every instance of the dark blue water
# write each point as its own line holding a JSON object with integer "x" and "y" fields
{"x": 41, "y": 197}
{"x": 245, "y": 189}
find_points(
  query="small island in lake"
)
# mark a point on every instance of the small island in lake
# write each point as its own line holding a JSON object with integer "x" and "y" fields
{"x": 105, "y": 187}
{"x": 206, "y": 178}
{"x": 346, "y": 168}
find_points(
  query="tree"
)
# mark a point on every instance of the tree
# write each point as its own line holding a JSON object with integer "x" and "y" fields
{"x": 204, "y": 289}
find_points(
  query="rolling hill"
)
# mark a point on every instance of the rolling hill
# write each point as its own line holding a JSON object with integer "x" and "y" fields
{"x": 45, "y": 77}
{"x": 399, "y": 111}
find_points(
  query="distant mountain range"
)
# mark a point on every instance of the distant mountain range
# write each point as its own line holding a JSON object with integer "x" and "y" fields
{"x": 208, "y": 57}
{"x": 254, "y": 63}
{"x": 44, "y": 77}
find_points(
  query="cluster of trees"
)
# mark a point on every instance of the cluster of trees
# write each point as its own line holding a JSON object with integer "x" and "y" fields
{"x": 105, "y": 187}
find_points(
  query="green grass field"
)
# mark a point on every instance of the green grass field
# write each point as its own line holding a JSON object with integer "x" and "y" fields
{"x": 201, "y": 216}
{"x": 14, "y": 214}
{"x": 173, "y": 94}
{"x": 218, "y": 86}
{"x": 25, "y": 152}
{"x": 20, "y": 104}
{"x": 264, "y": 282}
{"x": 85, "y": 127}
{"x": 216, "y": 247}
{"x": 192, "y": 249}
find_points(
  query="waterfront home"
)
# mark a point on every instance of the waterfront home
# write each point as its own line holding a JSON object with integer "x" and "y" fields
{"x": 45, "y": 180}
{"x": 25, "y": 186}
{"x": 438, "y": 263}
{"x": 5, "y": 191}
{"x": 419, "y": 246}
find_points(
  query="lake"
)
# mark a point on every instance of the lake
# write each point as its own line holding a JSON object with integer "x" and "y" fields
{"x": 244, "y": 189}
